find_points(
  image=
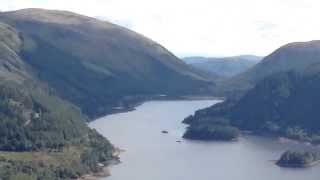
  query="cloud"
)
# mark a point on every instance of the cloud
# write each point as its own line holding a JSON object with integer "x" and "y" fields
{"x": 122, "y": 22}
{"x": 202, "y": 27}
{"x": 265, "y": 26}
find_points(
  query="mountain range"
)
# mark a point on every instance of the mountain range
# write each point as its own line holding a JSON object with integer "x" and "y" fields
{"x": 223, "y": 67}
{"x": 59, "y": 69}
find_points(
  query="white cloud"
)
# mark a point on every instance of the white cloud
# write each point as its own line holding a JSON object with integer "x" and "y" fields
{"x": 202, "y": 27}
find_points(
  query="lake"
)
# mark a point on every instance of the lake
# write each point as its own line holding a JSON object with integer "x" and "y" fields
{"x": 152, "y": 155}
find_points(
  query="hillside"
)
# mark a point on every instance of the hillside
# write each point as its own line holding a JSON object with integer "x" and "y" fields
{"x": 56, "y": 69}
{"x": 291, "y": 57}
{"x": 282, "y": 104}
{"x": 97, "y": 65}
{"x": 224, "y": 67}
{"x": 46, "y": 135}
{"x": 43, "y": 136}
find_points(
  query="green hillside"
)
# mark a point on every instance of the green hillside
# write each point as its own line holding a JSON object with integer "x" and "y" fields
{"x": 40, "y": 130}
{"x": 283, "y": 104}
{"x": 95, "y": 64}
{"x": 58, "y": 70}
{"x": 291, "y": 57}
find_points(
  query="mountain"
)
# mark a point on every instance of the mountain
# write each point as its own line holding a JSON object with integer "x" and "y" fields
{"x": 58, "y": 70}
{"x": 97, "y": 65}
{"x": 284, "y": 102}
{"x": 225, "y": 66}
{"x": 42, "y": 136}
{"x": 291, "y": 57}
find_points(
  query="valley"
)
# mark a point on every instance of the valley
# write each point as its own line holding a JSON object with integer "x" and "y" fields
{"x": 223, "y": 67}
{"x": 79, "y": 95}
{"x": 75, "y": 69}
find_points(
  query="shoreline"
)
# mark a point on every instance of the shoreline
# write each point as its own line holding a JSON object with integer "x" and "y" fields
{"x": 105, "y": 167}
{"x": 105, "y": 171}
{"x": 287, "y": 165}
{"x": 286, "y": 140}
{"x": 132, "y": 106}
{"x": 280, "y": 138}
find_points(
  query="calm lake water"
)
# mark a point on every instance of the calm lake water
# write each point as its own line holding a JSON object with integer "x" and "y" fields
{"x": 151, "y": 155}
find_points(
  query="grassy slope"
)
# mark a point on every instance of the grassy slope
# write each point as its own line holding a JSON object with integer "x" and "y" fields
{"x": 67, "y": 49}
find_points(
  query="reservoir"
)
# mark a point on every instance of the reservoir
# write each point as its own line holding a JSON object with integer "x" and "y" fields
{"x": 151, "y": 154}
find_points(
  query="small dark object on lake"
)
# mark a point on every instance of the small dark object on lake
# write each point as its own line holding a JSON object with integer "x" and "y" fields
{"x": 165, "y": 132}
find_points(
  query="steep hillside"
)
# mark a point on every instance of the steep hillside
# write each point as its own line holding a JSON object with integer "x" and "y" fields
{"x": 291, "y": 57}
{"x": 94, "y": 64}
{"x": 46, "y": 135}
{"x": 43, "y": 136}
{"x": 11, "y": 67}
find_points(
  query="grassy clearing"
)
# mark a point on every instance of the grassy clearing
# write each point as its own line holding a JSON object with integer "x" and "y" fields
{"x": 66, "y": 157}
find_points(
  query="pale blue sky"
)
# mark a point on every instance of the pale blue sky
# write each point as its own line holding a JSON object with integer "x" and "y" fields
{"x": 202, "y": 27}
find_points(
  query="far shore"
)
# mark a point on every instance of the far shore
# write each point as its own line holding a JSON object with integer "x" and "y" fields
{"x": 144, "y": 99}
{"x": 298, "y": 165}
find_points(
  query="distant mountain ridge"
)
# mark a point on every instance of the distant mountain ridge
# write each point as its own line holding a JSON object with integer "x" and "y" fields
{"x": 291, "y": 57}
{"x": 223, "y": 66}
{"x": 198, "y": 59}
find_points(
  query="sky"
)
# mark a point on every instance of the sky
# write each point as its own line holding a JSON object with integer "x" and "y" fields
{"x": 202, "y": 27}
